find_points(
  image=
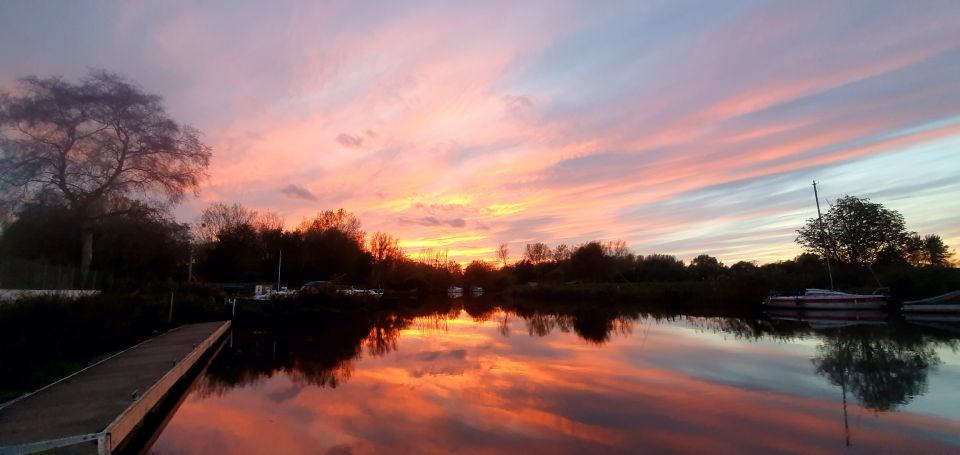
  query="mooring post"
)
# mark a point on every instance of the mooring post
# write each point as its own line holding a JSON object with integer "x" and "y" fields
{"x": 233, "y": 310}
{"x": 170, "y": 316}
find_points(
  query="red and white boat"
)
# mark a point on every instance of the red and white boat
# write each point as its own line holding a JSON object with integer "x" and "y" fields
{"x": 822, "y": 299}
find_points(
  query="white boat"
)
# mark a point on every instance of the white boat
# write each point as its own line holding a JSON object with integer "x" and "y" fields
{"x": 822, "y": 299}
{"x": 375, "y": 293}
{"x": 944, "y": 303}
{"x": 454, "y": 291}
{"x": 476, "y": 290}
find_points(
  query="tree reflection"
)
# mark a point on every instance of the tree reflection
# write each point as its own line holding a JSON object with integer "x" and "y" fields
{"x": 541, "y": 324}
{"x": 384, "y": 334}
{"x": 481, "y": 310}
{"x": 593, "y": 324}
{"x": 320, "y": 354}
{"x": 883, "y": 373}
{"x": 882, "y": 367}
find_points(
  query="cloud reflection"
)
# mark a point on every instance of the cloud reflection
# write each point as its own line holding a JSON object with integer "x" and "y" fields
{"x": 451, "y": 382}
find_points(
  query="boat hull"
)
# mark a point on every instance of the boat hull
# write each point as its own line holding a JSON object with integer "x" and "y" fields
{"x": 932, "y": 307}
{"x": 946, "y": 303}
{"x": 921, "y": 318}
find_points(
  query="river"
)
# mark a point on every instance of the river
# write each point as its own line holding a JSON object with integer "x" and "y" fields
{"x": 469, "y": 377}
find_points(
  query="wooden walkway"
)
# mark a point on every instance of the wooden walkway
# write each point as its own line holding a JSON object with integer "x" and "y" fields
{"x": 101, "y": 405}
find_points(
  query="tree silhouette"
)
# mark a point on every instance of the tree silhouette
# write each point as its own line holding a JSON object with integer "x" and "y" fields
{"x": 102, "y": 147}
{"x": 854, "y": 231}
{"x": 935, "y": 251}
{"x": 537, "y": 253}
{"x": 503, "y": 253}
{"x": 705, "y": 267}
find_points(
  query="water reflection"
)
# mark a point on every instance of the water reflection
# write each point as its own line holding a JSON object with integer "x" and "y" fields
{"x": 478, "y": 375}
{"x": 881, "y": 372}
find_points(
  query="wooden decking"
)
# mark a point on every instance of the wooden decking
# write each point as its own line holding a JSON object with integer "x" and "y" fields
{"x": 100, "y": 406}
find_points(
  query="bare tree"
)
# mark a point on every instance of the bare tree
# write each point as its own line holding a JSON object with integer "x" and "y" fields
{"x": 503, "y": 253}
{"x": 617, "y": 249}
{"x": 101, "y": 147}
{"x": 561, "y": 253}
{"x": 219, "y": 217}
{"x": 537, "y": 253}
{"x": 385, "y": 247}
{"x": 340, "y": 220}
{"x": 268, "y": 220}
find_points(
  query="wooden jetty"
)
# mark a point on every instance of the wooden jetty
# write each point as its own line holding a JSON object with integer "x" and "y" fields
{"x": 97, "y": 408}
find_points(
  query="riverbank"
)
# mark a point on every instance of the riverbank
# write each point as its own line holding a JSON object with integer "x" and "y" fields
{"x": 47, "y": 338}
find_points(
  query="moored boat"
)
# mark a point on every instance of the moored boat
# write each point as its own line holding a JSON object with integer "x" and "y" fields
{"x": 944, "y": 303}
{"x": 822, "y": 299}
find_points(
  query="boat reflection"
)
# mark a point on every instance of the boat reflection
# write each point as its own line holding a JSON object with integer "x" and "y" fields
{"x": 827, "y": 319}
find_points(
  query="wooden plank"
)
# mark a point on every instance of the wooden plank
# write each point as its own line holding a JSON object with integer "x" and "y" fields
{"x": 110, "y": 398}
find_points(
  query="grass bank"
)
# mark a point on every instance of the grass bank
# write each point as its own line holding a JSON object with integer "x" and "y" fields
{"x": 46, "y": 338}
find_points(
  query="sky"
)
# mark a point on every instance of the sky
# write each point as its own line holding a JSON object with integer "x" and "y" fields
{"x": 679, "y": 127}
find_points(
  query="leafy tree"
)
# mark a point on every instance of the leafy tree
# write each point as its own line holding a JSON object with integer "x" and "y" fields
{"x": 235, "y": 255}
{"x": 705, "y": 267}
{"x": 130, "y": 248}
{"x": 935, "y": 251}
{"x": 743, "y": 267}
{"x": 48, "y": 233}
{"x": 660, "y": 267}
{"x": 333, "y": 246}
{"x": 854, "y": 231}
{"x": 913, "y": 249}
{"x": 917, "y": 251}
{"x": 478, "y": 273}
{"x": 102, "y": 147}
{"x": 590, "y": 263}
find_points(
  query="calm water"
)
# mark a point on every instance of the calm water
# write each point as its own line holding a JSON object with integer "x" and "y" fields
{"x": 482, "y": 379}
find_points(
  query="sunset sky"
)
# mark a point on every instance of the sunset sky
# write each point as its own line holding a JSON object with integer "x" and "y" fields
{"x": 679, "y": 127}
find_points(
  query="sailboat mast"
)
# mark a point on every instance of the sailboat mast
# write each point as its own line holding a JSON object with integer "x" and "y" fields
{"x": 820, "y": 220}
{"x": 279, "y": 264}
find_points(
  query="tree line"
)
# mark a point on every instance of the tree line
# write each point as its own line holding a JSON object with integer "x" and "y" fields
{"x": 235, "y": 244}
